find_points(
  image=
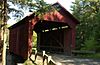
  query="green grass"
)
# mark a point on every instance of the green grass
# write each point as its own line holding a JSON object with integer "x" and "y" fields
{"x": 28, "y": 62}
{"x": 94, "y": 56}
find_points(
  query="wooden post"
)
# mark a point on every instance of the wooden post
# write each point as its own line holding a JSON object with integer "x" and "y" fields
{"x": 43, "y": 57}
{"x": 36, "y": 53}
{"x": 49, "y": 58}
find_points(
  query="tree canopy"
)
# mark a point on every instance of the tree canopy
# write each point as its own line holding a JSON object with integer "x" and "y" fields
{"x": 88, "y": 34}
{"x": 37, "y": 6}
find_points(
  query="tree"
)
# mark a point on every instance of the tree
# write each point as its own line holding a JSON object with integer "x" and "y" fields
{"x": 4, "y": 32}
{"x": 39, "y": 7}
{"x": 87, "y": 12}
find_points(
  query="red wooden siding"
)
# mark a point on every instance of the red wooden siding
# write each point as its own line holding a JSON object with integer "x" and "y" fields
{"x": 30, "y": 34}
{"x": 18, "y": 41}
{"x": 21, "y": 33}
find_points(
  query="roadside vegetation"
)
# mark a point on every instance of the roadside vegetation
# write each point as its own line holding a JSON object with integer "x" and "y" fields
{"x": 88, "y": 34}
{"x": 86, "y": 11}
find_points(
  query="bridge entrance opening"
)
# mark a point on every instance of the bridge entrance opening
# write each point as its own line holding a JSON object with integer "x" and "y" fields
{"x": 51, "y": 36}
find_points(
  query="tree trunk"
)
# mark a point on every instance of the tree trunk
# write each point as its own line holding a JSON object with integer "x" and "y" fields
{"x": 4, "y": 33}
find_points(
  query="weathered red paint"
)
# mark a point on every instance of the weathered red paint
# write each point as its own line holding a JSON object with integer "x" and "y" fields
{"x": 64, "y": 16}
{"x": 21, "y": 33}
{"x": 20, "y": 38}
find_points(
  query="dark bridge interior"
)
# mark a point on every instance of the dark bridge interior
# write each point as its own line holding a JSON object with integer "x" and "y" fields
{"x": 51, "y": 35}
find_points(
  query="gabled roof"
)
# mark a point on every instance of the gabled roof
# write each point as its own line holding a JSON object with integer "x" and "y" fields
{"x": 62, "y": 10}
{"x": 58, "y": 5}
{"x": 24, "y": 20}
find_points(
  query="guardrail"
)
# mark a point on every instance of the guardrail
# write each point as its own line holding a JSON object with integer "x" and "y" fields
{"x": 44, "y": 56}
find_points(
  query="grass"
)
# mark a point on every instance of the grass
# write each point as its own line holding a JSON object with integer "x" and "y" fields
{"x": 93, "y": 56}
{"x": 28, "y": 62}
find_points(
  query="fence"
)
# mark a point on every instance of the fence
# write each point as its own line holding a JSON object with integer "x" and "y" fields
{"x": 45, "y": 57}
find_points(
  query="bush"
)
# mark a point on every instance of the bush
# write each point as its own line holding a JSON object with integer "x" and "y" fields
{"x": 34, "y": 39}
{"x": 90, "y": 44}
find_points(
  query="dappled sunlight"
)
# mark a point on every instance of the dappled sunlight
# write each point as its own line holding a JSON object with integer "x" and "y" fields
{"x": 54, "y": 16}
{"x": 60, "y": 59}
{"x": 34, "y": 40}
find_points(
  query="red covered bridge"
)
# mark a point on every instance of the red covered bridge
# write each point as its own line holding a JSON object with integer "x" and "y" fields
{"x": 55, "y": 33}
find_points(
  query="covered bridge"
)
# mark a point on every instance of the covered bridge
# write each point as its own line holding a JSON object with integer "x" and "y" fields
{"x": 55, "y": 33}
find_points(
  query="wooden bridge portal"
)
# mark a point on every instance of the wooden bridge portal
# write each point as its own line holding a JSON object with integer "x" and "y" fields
{"x": 55, "y": 33}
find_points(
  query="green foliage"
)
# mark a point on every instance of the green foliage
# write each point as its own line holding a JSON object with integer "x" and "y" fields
{"x": 90, "y": 44}
{"x": 22, "y": 2}
{"x": 88, "y": 13}
{"x": 40, "y": 7}
{"x": 28, "y": 62}
{"x": 97, "y": 55}
{"x": 93, "y": 56}
{"x": 1, "y": 11}
{"x": 34, "y": 39}
{"x": 19, "y": 8}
